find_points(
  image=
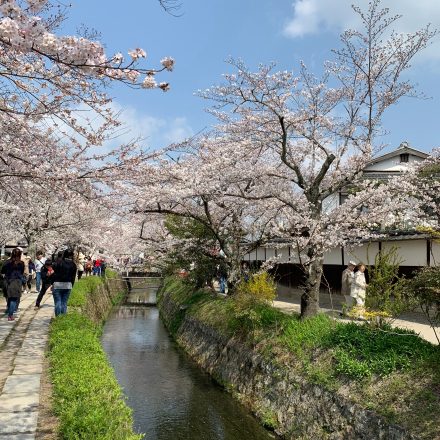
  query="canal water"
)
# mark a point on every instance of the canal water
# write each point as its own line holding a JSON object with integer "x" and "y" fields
{"x": 170, "y": 397}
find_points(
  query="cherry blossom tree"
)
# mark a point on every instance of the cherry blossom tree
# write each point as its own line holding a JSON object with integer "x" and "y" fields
{"x": 54, "y": 109}
{"x": 39, "y": 214}
{"x": 310, "y": 137}
{"x": 194, "y": 187}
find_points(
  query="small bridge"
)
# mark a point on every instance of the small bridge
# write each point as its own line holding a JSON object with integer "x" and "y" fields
{"x": 142, "y": 290}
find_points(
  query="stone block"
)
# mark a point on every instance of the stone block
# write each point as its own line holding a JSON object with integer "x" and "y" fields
{"x": 21, "y": 402}
{"x": 22, "y": 383}
{"x": 28, "y": 369}
{"x": 16, "y": 423}
{"x": 17, "y": 437}
{"x": 26, "y": 360}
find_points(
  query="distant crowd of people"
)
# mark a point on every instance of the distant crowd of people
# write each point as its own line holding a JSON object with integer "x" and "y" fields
{"x": 56, "y": 275}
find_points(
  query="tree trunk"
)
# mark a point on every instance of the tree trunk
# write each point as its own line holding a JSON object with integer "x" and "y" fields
{"x": 310, "y": 297}
{"x": 234, "y": 274}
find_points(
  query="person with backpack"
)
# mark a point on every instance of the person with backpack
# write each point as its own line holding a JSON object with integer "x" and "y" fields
{"x": 13, "y": 270}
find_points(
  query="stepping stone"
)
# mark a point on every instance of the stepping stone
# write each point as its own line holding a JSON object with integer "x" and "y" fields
{"x": 31, "y": 352}
{"x": 22, "y": 402}
{"x": 26, "y": 360}
{"x": 16, "y": 423}
{"x": 21, "y": 383}
{"x": 28, "y": 369}
{"x": 17, "y": 437}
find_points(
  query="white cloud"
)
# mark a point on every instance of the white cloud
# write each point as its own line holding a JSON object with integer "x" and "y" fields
{"x": 313, "y": 16}
{"x": 178, "y": 130}
{"x": 147, "y": 130}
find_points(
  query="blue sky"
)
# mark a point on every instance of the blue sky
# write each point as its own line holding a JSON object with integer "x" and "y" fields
{"x": 258, "y": 31}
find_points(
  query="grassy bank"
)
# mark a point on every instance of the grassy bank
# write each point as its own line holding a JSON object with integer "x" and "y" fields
{"x": 390, "y": 371}
{"x": 87, "y": 398}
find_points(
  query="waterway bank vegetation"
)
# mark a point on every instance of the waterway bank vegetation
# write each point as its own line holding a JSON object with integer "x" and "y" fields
{"x": 390, "y": 371}
{"x": 87, "y": 398}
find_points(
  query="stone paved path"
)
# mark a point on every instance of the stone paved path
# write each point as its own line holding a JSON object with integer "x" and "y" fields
{"x": 22, "y": 346}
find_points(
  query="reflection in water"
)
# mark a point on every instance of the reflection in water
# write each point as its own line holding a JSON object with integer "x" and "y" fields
{"x": 170, "y": 397}
{"x": 142, "y": 296}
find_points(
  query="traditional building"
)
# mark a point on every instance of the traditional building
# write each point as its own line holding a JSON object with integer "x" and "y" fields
{"x": 415, "y": 249}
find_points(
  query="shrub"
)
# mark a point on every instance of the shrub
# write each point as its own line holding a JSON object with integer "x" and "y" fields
{"x": 387, "y": 293}
{"x": 250, "y": 300}
{"x": 260, "y": 288}
{"x": 425, "y": 287}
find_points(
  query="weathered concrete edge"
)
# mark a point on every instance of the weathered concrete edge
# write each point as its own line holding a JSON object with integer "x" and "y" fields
{"x": 301, "y": 409}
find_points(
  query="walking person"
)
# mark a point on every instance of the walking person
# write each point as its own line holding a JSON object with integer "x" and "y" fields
{"x": 25, "y": 260}
{"x": 47, "y": 279}
{"x": 97, "y": 267}
{"x": 13, "y": 270}
{"x": 31, "y": 275}
{"x": 88, "y": 266}
{"x": 80, "y": 262}
{"x": 39, "y": 263}
{"x": 63, "y": 281}
{"x": 346, "y": 282}
{"x": 103, "y": 267}
{"x": 359, "y": 288}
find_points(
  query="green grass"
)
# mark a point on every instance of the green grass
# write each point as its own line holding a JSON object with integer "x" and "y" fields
{"x": 81, "y": 289}
{"x": 86, "y": 395}
{"x": 363, "y": 351}
{"x": 110, "y": 273}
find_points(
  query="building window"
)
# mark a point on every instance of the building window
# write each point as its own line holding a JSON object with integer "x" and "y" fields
{"x": 404, "y": 157}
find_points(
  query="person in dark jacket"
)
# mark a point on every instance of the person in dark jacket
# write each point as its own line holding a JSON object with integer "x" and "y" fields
{"x": 46, "y": 278}
{"x": 64, "y": 273}
{"x": 13, "y": 270}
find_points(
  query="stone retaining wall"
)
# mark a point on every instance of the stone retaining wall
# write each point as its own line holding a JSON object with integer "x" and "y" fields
{"x": 100, "y": 302}
{"x": 295, "y": 408}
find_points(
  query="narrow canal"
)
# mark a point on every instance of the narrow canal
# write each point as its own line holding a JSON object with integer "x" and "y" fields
{"x": 170, "y": 397}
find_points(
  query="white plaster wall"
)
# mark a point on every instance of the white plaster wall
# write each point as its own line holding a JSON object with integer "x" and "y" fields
{"x": 412, "y": 252}
{"x": 435, "y": 254}
{"x": 362, "y": 254}
{"x": 333, "y": 256}
{"x": 294, "y": 257}
{"x": 283, "y": 255}
{"x": 392, "y": 164}
{"x": 270, "y": 253}
{"x": 260, "y": 254}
